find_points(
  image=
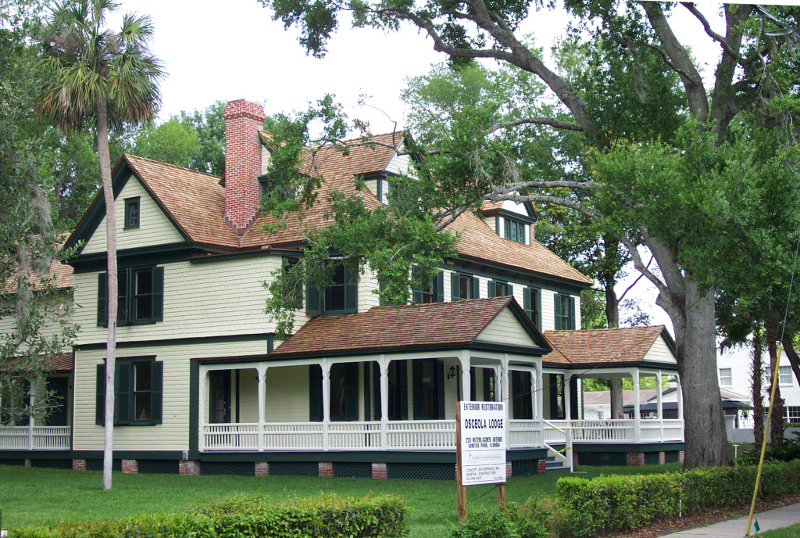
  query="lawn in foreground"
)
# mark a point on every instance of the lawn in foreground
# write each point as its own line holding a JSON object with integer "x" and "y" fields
{"x": 31, "y": 496}
{"x": 788, "y": 532}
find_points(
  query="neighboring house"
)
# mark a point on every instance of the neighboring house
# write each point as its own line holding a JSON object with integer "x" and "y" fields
{"x": 359, "y": 389}
{"x": 735, "y": 366}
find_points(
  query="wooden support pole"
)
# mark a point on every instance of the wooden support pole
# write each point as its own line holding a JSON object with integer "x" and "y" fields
{"x": 501, "y": 494}
{"x": 462, "y": 489}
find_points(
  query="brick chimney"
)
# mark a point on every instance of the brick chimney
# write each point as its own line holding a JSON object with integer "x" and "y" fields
{"x": 243, "y": 120}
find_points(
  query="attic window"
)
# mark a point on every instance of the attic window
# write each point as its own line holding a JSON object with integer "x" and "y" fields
{"x": 266, "y": 188}
{"x": 515, "y": 231}
{"x": 131, "y": 213}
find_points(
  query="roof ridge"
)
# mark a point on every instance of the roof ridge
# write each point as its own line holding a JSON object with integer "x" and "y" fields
{"x": 161, "y": 163}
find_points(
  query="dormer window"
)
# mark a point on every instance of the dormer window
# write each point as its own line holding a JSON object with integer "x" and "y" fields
{"x": 516, "y": 231}
{"x": 131, "y": 213}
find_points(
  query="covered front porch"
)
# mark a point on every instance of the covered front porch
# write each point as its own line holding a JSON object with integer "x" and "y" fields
{"x": 42, "y": 433}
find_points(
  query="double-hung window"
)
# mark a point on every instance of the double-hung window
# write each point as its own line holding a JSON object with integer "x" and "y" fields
{"x": 565, "y": 312}
{"x": 132, "y": 212}
{"x": 725, "y": 377}
{"x": 341, "y": 297}
{"x": 138, "y": 389}
{"x": 463, "y": 287}
{"x": 515, "y": 230}
{"x": 499, "y": 288}
{"x": 140, "y": 296}
{"x": 434, "y": 293}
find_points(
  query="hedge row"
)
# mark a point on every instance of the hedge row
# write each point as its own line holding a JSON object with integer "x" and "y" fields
{"x": 249, "y": 516}
{"x": 614, "y": 503}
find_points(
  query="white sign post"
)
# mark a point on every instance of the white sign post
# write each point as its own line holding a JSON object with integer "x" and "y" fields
{"x": 480, "y": 449}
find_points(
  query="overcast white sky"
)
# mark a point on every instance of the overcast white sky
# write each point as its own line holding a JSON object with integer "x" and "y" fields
{"x": 231, "y": 49}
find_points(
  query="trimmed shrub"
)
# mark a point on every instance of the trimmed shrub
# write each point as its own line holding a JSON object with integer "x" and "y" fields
{"x": 250, "y": 516}
{"x": 510, "y": 522}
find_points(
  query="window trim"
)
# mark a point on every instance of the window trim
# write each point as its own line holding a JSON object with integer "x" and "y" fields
{"x": 492, "y": 288}
{"x": 315, "y": 297}
{"x": 512, "y": 229}
{"x": 473, "y": 286}
{"x": 529, "y": 307}
{"x": 558, "y": 299}
{"x": 125, "y": 396}
{"x": 133, "y": 207}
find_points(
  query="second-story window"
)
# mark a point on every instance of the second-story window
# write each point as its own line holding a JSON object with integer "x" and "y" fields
{"x": 463, "y": 287}
{"x": 532, "y": 304}
{"x": 430, "y": 294}
{"x": 341, "y": 297}
{"x": 498, "y": 288}
{"x": 725, "y": 377}
{"x": 565, "y": 312}
{"x": 140, "y": 299}
{"x": 515, "y": 231}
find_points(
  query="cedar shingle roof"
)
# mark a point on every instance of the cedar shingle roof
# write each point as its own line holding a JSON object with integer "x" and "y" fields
{"x": 62, "y": 363}
{"x": 196, "y": 203}
{"x": 598, "y": 346}
{"x": 456, "y": 323}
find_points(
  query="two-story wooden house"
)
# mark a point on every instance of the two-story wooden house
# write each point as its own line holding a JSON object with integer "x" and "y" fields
{"x": 360, "y": 389}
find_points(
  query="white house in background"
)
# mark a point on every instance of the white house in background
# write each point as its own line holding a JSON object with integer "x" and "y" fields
{"x": 734, "y": 367}
{"x": 360, "y": 389}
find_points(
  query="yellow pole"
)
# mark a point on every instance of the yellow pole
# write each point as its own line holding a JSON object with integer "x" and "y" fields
{"x": 764, "y": 440}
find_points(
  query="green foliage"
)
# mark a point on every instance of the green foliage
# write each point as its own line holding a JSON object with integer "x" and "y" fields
{"x": 593, "y": 309}
{"x": 171, "y": 142}
{"x": 250, "y": 515}
{"x": 614, "y": 503}
{"x": 787, "y": 451}
{"x": 510, "y": 522}
{"x": 209, "y": 125}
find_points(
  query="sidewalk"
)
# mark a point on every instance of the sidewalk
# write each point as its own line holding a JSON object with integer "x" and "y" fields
{"x": 735, "y": 528}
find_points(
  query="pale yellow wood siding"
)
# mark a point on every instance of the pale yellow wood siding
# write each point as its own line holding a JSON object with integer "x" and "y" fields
{"x": 400, "y": 164}
{"x": 548, "y": 312}
{"x": 577, "y": 312}
{"x": 154, "y": 226}
{"x": 491, "y": 222}
{"x": 173, "y": 432}
{"x": 505, "y": 329}
{"x": 221, "y": 298}
{"x": 287, "y": 394}
{"x": 368, "y": 282}
{"x": 659, "y": 352}
{"x": 52, "y": 310}
{"x": 248, "y": 396}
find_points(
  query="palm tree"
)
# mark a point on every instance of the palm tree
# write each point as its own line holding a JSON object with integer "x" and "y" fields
{"x": 92, "y": 74}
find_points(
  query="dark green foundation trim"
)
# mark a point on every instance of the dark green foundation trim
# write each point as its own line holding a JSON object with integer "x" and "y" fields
{"x": 268, "y": 337}
{"x": 35, "y": 455}
{"x": 649, "y": 447}
{"x": 194, "y": 408}
{"x": 526, "y": 454}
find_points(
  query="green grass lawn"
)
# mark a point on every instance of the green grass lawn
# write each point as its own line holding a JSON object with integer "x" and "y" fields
{"x": 31, "y": 496}
{"x": 788, "y": 532}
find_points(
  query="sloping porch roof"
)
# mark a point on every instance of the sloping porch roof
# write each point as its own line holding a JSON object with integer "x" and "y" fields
{"x": 605, "y": 347}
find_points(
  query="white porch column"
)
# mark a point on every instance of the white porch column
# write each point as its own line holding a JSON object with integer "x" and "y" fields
{"x": 383, "y": 364}
{"x": 680, "y": 396}
{"x": 659, "y": 405}
{"x": 505, "y": 395}
{"x": 539, "y": 393}
{"x": 203, "y": 404}
{"x": 326, "y": 401}
{"x": 466, "y": 382}
{"x": 568, "y": 398}
{"x": 637, "y": 419}
{"x": 534, "y": 397}
{"x": 262, "y": 402}
{"x": 31, "y": 402}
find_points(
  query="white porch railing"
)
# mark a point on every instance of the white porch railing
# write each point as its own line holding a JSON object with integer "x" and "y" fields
{"x": 428, "y": 435}
{"x": 35, "y": 437}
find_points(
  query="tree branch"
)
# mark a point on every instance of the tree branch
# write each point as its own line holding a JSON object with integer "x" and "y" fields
{"x": 638, "y": 278}
{"x": 537, "y": 120}
{"x": 710, "y": 32}
{"x": 643, "y": 269}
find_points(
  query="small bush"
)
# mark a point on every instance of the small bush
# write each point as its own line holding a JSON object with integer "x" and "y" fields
{"x": 510, "y": 522}
{"x": 787, "y": 451}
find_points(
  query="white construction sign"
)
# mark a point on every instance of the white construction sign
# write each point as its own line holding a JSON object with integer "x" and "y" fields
{"x": 483, "y": 443}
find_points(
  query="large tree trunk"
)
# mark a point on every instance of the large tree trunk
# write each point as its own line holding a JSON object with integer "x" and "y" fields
{"x": 693, "y": 318}
{"x": 111, "y": 245}
{"x": 776, "y": 426}
{"x": 612, "y": 304}
{"x": 791, "y": 353}
{"x": 757, "y": 386}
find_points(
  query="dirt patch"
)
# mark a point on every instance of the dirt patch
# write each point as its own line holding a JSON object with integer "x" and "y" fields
{"x": 709, "y": 517}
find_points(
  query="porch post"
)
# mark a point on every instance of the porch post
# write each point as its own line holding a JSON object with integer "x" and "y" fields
{"x": 326, "y": 401}
{"x": 568, "y": 398}
{"x": 679, "y": 390}
{"x": 202, "y": 413}
{"x": 262, "y": 401}
{"x": 32, "y": 402}
{"x": 637, "y": 418}
{"x": 505, "y": 396}
{"x": 539, "y": 394}
{"x": 617, "y": 411}
{"x": 464, "y": 360}
{"x": 383, "y": 364}
{"x": 659, "y": 405}
{"x": 534, "y": 396}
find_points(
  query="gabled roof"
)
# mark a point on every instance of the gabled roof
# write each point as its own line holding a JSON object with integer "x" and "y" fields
{"x": 604, "y": 346}
{"x": 195, "y": 204}
{"x": 386, "y": 329}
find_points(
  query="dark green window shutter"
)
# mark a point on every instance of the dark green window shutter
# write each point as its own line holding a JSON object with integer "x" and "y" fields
{"x": 557, "y": 309}
{"x": 416, "y": 293}
{"x": 440, "y": 388}
{"x": 100, "y": 402}
{"x": 158, "y": 294}
{"x": 122, "y": 393}
{"x": 313, "y": 300}
{"x": 476, "y": 288}
{"x": 472, "y": 383}
{"x": 315, "y": 393}
{"x": 383, "y": 302}
{"x": 376, "y": 385}
{"x": 572, "y": 313}
{"x": 526, "y": 302}
{"x": 102, "y": 300}
{"x": 455, "y": 287}
{"x": 157, "y": 394}
{"x": 492, "y": 289}
{"x": 350, "y": 291}
{"x": 488, "y": 381}
{"x": 416, "y": 383}
{"x": 510, "y": 290}
{"x": 459, "y": 396}
{"x": 439, "y": 287}
{"x": 573, "y": 398}
{"x": 122, "y": 296}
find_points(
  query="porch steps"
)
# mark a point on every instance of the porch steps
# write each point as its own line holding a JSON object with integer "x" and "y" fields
{"x": 552, "y": 464}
